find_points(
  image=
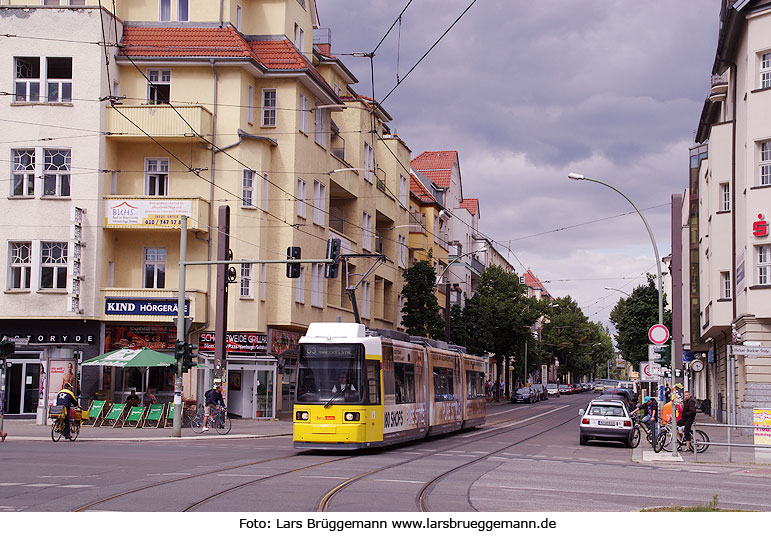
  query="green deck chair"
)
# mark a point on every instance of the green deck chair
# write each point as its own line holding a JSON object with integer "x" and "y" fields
{"x": 114, "y": 415}
{"x": 169, "y": 420}
{"x": 95, "y": 412}
{"x": 154, "y": 415}
{"x": 135, "y": 415}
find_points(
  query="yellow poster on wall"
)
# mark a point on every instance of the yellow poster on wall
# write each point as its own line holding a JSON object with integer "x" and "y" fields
{"x": 762, "y": 422}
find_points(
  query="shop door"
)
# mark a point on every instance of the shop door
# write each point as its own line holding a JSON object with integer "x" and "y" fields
{"x": 264, "y": 390}
{"x": 31, "y": 387}
{"x": 13, "y": 386}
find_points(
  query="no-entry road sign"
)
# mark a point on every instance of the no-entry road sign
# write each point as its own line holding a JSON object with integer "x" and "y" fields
{"x": 658, "y": 334}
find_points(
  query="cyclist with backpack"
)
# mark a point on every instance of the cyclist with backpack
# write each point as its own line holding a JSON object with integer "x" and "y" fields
{"x": 213, "y": 397}
{"x": 650, "y": 407}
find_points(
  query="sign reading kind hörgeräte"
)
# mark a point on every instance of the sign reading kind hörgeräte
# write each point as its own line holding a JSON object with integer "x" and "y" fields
{"x": 143, "y": 307}
{"x": 151, "y": 213}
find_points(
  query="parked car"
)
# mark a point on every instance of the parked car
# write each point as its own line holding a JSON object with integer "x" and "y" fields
{"x": 540, "y": 390}
{"x": 564, "y": 389}
{"x": 552, "y": 389}
{"x": 631, "y": 399}
{"x": 599, "y": 387}
{"x": 522, "y": 395}
{"x": 619, "y": 397}
{"x": 607, "y": 420}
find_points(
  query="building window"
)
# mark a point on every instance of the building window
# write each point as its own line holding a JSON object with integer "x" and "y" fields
{"x": 303, "y": 113}
{"x": 247, "y": 290}
{"x": 247, "y": 189}
{"x": 402, "y": 251}
{"x": 57, "y": 79}
{"x": 265, "y": 191}
{"x": 23, "y": 172}
{"x": 164, "y": 10}
{"x": 299, "y": 37}
{"x": 299, "y": 287}
{"x": 56, "y": 177}
{"x": 317, "y": 285}
{"x": 365, "y": 300}
{"x": 154, "y": 268}
{"x": 301, "y": 198}
{"x": 765, "y": 70}
{"x": 399, "y": 313}
{"x": 263, "y": 281}
{"x": 158, "y": 86}
{"x": 238, "y": 17}
{"x": 183, "y": 10}
{"x": 250, "y": 108}
{"x": 53, "y": 265}
{"x": 725, "y": 196}
{"x": 20, "y": 265}
{"x": 403, "y": 191}
{"x": 764, "y": 264}
{"x": 369, "y": 162}
{"x": 320, "y": 125}
{"x": 366, "y": 232}
{"x": 319, "y": 203}
{"x": 725, "y": 285}
{"x": 765, "y": 163}
{"x": 157, "y": 176}
{"x": 268, "y": 106}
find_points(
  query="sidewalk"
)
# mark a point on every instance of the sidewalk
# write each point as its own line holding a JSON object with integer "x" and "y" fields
{"x": 27, "y": 430}
{"x": 715, "y": 454}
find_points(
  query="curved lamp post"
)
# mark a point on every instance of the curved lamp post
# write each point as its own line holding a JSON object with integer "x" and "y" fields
{"x": 577, "y": 176}
{"x": 619, "y": 290}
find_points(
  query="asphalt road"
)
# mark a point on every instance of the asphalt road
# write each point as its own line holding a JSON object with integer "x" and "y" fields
{"x": 526, "y": 458}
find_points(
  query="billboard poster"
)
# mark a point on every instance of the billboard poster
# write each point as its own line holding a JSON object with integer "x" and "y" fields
{"x": 762, "y": 432}
{"x": 139, "y": 336}
{"x": 150, "y": 213}
{"x": 59, "y": 373}
{"x": 281, "y": 341}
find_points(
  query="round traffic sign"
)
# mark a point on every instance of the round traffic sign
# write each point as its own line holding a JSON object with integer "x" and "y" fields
{"x": 658, "y": 334}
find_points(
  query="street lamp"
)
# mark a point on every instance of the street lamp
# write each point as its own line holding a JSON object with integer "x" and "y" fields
{"x": 577, "y": 176}
{"x": 619, "y": 290}
{"x": 447, "y": 292}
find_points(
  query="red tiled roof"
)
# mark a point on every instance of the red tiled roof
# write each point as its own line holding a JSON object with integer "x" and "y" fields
{"x": 279, "y": 55}
{"x": 532, "y": 281}
{"x": 436, "y": 165}
{"x": 187, "y": 41}
{"x": 420, "y": 191}
{"x": 471, "y": 205}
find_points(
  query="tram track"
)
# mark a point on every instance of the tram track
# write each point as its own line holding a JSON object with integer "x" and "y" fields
{"x": 494, "y": 429}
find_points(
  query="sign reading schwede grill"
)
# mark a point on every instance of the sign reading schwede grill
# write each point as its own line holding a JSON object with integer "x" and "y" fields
{"x": 236, "y": 342}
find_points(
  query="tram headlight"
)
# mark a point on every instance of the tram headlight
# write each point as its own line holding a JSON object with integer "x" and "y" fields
{"x": 352, "y": 416}
{"x": 301, "y": 416}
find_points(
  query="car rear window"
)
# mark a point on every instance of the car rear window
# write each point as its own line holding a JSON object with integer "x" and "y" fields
{"x": 607, "y": 411}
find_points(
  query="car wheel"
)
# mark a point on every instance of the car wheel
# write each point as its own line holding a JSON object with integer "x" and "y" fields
{"x": 582, "y": 439}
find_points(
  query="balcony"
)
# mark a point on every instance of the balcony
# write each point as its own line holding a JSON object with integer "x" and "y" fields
{"x": 155, "y": 212}
{"x": 477, "y": 266}
{"x": 150, "y": 305}
{"x": 159, "y": 121}
{"x": 718, "y": 88}
{"x": 417, "y": 222}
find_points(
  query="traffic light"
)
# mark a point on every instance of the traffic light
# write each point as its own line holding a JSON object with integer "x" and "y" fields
{"x": 666, "y": 354}
{"x": 179, "y": 349}
{"x": 293, "y": 269}
{"x": 187, "y": 357}
{"x": 333, "y": 252}
{"x": 7, "y": 348}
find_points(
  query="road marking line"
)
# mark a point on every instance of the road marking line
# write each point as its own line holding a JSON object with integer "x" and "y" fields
{"x": 41, "y": 485}
{"x": 701, "y": 471}
{"x": 399, "y": 481}
{"x": 9, "y": 484}
{"x": 77, "y": 486}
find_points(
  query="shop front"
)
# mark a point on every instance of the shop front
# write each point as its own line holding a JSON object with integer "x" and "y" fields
{"x": 48, "y": 354}
{"x": 283, "y": 346}
{"x": 250, "y": 382}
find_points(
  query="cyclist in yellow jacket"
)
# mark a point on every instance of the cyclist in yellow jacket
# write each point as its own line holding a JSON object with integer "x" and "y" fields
{"x": 66, "y": 399}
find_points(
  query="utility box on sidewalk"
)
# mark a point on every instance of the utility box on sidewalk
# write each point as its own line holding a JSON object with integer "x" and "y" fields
{"x": 762, "y": 422}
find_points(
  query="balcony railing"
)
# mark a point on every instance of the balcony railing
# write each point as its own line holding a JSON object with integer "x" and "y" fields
{"x": 477, "y": 266}
{"x": 159, "y": 121}
{"x": 155, "y": 212}
{"x": 417, "y": 222}
{"x": 718, "y": 87}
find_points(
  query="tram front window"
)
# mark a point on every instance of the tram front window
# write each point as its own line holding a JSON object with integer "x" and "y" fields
{"x": 330, "y": 374}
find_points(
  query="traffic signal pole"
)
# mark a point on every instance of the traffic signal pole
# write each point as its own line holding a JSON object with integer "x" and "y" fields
{"x": 176, "y": 430}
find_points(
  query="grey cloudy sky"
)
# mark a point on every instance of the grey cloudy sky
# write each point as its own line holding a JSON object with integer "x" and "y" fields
{"x": 527, "y": 91}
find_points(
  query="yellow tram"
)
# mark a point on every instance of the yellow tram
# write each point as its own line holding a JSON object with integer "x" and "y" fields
{"x": 359, "y": 388}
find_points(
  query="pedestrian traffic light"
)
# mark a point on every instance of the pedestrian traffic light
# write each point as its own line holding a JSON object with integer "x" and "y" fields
{"x": 7, "y": 348}
{"x": 293, "y": 269}
{"x": 333, "y": 252}
{"x": 179, "y": 349}
{"x": 666, "y": 354}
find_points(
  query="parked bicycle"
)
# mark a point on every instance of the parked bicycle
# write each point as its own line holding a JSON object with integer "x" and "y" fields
{"x": 700, "y": 439}
{"x": 641, "y": 428}
{"x": 56, "y": 414}
{"x": 218, "y": 419}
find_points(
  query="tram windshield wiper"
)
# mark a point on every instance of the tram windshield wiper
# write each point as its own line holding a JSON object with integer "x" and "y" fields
{"x": 335, "y": 396}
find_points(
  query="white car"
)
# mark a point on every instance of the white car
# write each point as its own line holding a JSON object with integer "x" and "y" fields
{"x": 607, "y": 420}
{"x": 552, "y": 389}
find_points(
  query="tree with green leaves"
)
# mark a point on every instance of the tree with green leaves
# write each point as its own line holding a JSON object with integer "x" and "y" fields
{"x": 421, "y": 309}
{"x": 633, "y": 316}
{"x": 498, "y": 317}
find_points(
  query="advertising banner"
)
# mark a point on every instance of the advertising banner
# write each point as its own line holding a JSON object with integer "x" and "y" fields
{"x": 149, "y": 213}
{"x": 244, "y": 343}
{"x": 762, "y": 423}
{"x": 139, "y": 336}
{"x": 280, "y": 341}
{"x": 142, "y": 307}
{"x": 59, "y": 373}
